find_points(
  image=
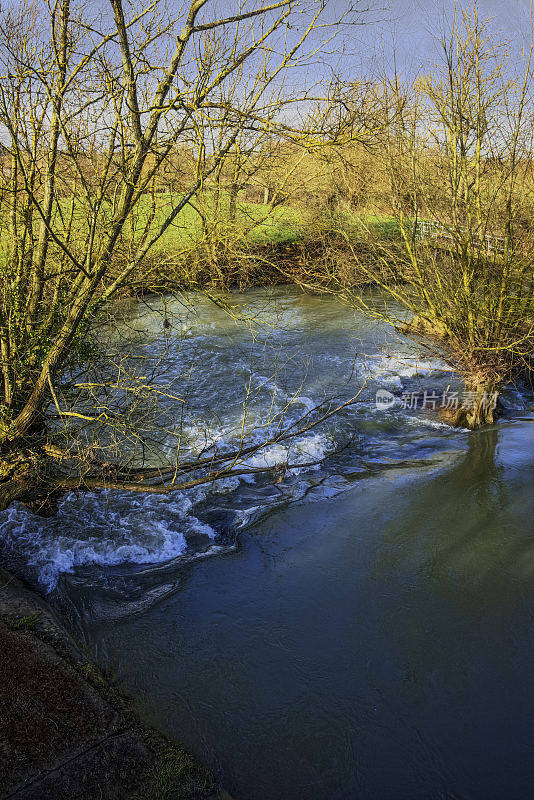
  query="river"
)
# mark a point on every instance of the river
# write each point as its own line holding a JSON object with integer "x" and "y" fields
{"x": 363, "y": 629}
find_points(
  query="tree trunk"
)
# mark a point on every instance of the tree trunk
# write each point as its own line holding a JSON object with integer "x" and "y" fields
{"x": 482, "y": 404}
{"x": 479, "y": 407}
{"x": 17, "y": 479}
{"x": 232, "y": 212}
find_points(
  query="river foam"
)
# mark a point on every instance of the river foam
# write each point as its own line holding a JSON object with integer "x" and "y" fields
{"x": 288, "y": 372}
{"x": 103, "y": 529}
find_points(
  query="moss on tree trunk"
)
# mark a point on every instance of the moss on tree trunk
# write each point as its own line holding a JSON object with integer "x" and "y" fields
{"x": 16, "y": 479}
{"x": 27, "y": 476}
{"x": 479, "y": 407}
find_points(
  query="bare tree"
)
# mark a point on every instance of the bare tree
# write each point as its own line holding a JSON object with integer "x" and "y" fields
{"x": 457, "y": 153}
{"x": 92, "y": 111}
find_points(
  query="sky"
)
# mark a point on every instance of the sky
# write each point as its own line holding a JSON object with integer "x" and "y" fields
{"x": 412, "y": 25}
{"x": 400, "y": 31}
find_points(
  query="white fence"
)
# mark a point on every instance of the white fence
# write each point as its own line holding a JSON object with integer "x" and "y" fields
{"x": 429, "y": 229}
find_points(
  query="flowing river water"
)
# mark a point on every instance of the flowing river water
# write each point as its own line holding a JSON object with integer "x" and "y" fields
{"x": 362, "y": 629}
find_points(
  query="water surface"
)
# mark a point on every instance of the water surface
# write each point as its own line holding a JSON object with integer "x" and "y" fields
{"x": 364, "y": 629}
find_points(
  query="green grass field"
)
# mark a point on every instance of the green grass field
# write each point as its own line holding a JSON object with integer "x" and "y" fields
{"x": 255, "y": 223}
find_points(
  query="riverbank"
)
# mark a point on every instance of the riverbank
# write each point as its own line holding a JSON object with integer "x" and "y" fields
{"x": 324, "y": 262}
{"x": 65, "y": 731}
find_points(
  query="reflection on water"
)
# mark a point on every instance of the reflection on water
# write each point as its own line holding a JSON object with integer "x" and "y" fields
{"x": 370, "y": 635}
{"x": 377, "y": 645}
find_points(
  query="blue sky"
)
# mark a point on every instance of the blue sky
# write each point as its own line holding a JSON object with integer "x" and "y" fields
{"x": 413, "y": 24}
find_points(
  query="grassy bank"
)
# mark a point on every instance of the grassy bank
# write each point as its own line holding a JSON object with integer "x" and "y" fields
{"x": 261, "y": 245}
{"x": 66, "y": 733}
